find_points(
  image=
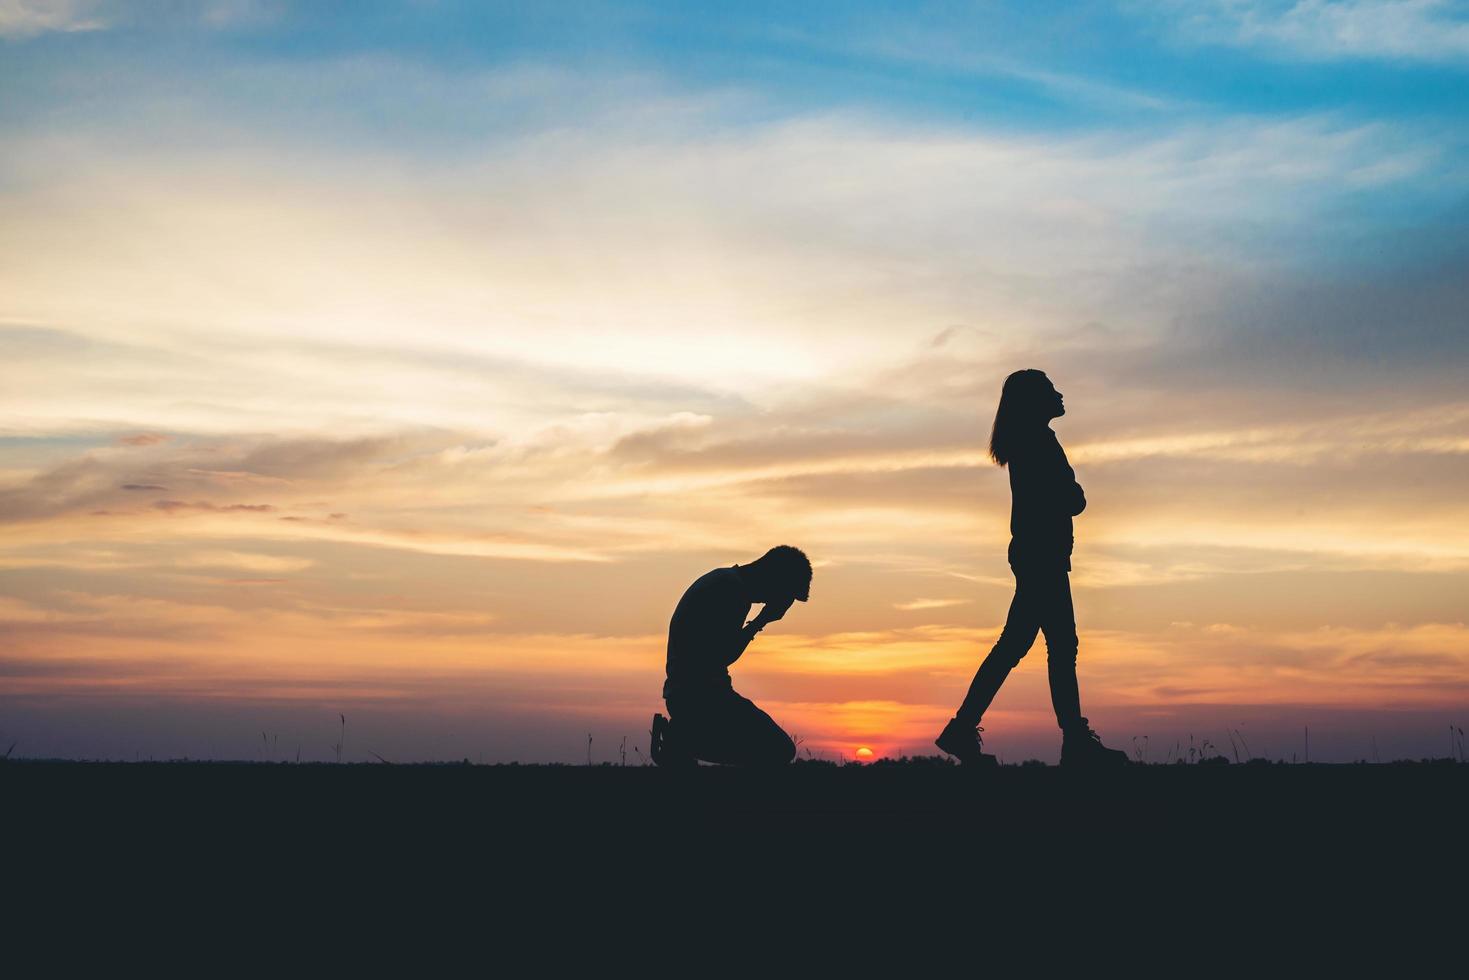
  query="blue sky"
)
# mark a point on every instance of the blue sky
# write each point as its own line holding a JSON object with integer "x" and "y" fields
{"x": 400, "y": 78}
{"x": 1002, "y": 62}
{"x": 342, "y": 341}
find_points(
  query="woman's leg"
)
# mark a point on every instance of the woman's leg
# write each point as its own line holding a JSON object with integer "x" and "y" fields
{"x": 1080, "y": 746}
{"x": 1021, "y": 626}
{"x": 1058, "y": 622}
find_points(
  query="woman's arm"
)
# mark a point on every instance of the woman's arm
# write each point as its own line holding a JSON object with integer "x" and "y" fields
{"x": 1071, "y": 497}
{"x": 1043, "y": 482}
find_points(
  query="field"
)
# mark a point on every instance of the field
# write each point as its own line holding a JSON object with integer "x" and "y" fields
{"x": 1253, "y": 842}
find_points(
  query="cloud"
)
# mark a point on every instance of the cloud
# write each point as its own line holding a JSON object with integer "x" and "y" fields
{"x": 387, "y": 479}
{"x": 21, "y": 19}
{"x": 959, "y": 49}
{"x": 248, "y": 561}
{"x": 306, "y": 459}
{"x": 893, "y": 456}
{"x": 236, "y": 14}
{"x": 914, "y": 605}
{"x": 215, "y": 473}
{"x": 940, "y": 224}
{"x": 1411, "y": 30}
{"x": 77, "y": 484}
{"x": 174, "y": 506}
{"x": 142, "y": 439}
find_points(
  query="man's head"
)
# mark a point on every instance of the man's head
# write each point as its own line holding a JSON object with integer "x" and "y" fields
{"x": 781, "y": 573}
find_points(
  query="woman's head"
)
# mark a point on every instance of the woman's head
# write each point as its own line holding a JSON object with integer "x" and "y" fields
{"x": 1027, "y": 402}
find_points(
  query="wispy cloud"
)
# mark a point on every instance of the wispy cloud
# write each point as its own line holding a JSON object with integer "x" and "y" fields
{"x": 247, "y": 561}
{"x": 27, "y": 18}
{"x": 915, "y": 605}
{"x": 1426, "y": 30}
{"x": 975, "y": 55}
{"x": 941, "y": 224}
{"x": 20, "y": 19}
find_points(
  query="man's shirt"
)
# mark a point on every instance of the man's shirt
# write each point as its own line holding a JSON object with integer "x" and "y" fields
{"x": 707, "y": 632}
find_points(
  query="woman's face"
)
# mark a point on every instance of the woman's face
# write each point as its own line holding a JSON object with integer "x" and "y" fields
{"x": 1048, "y": 402}
{"x": 1056, "y": 404}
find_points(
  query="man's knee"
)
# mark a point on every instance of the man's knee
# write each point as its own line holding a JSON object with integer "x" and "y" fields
{"x": 770, "y": 746}
{"x": 777, "y": 750}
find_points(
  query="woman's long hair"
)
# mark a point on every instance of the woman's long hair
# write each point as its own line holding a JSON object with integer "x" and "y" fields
{"x": 1020, "y": 409}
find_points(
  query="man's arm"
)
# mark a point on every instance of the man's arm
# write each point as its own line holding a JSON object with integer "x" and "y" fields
{"x": 768, "y": 614}
{"x": 743, "y": 638}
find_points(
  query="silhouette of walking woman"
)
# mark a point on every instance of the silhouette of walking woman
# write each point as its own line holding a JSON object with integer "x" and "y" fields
{"x": 1044, "y": 498}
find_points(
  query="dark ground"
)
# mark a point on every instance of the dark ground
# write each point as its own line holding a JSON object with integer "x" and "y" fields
{"x": 1251, "y": 847}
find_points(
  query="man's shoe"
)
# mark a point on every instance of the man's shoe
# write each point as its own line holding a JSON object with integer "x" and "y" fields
{"x": 1082, "y": 748}
{"x": 663, "y": 748}
{"x": 963, "y": 743}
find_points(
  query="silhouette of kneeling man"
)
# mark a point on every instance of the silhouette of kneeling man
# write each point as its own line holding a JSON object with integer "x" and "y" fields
{"x": 707, "y": 719}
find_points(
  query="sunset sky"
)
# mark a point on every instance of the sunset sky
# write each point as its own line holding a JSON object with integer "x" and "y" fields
{"x": 406, "y": 361}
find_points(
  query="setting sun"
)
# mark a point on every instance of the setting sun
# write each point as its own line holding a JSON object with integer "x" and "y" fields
{"x": 864, "y": 753}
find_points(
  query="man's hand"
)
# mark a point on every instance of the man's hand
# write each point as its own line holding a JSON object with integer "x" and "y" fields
{"x": 771, "y": 612}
